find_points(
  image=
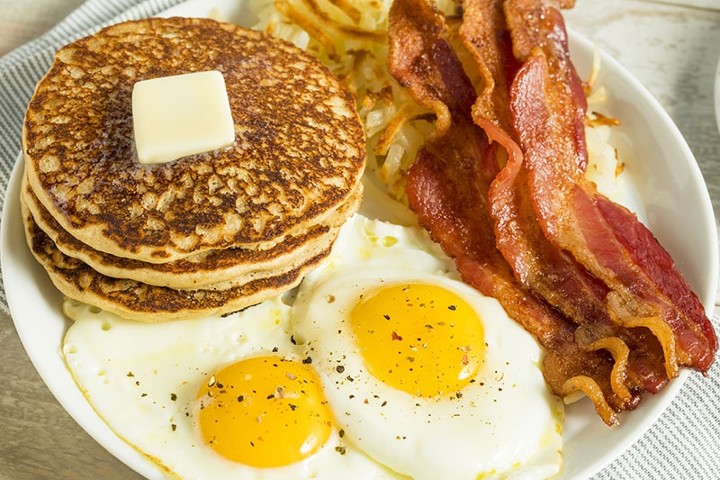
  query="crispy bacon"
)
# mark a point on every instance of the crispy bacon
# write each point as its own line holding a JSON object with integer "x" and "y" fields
{"x": 539, "y": 24}
{"x": 500, "y": 185}
{"x": 542, "y": 268}
{"x": 414, "y": 28}
{"x": 447, "y": 184}
{"x": 607, "y": 239}
{"x": 448, "y": 189}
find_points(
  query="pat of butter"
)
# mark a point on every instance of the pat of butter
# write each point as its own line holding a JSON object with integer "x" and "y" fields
{"x": 181, "y": 115}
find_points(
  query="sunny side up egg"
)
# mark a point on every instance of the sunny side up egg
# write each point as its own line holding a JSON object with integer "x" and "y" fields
{"x": 221, "y": 397}
{"x": 320, "y": 384}
{"x": 424, "y": 374}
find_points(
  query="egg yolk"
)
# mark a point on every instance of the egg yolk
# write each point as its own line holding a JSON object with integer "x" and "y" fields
{"x": 264, "y": 412}
{"x": 418, "y": 338}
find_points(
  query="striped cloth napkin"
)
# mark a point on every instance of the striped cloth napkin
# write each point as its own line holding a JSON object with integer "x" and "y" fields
{"x": 684, "y": 444}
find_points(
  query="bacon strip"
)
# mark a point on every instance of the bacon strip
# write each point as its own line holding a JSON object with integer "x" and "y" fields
{"x": 604, "y": 237}
{"x": 447, "y": 184}
{"x": 448, "y": 189}
{"x": 621, "y": 310}
{"x": 541, "y": 267}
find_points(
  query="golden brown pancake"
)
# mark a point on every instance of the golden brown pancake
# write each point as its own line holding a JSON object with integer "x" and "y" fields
{"x": 297, "y": 159}
{"x": 207, "y": 234}
{"x": 147, "y": 303}
{"x": 209, "y": 270}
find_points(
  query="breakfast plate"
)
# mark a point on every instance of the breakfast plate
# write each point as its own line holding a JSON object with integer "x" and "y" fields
{"x": 671, "y": 195}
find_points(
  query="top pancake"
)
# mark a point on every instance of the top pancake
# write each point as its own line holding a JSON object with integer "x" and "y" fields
{"x": 298, "y": 154}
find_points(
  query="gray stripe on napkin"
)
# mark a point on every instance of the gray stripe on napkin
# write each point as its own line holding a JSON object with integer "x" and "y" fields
{"x": 683, "y": 443}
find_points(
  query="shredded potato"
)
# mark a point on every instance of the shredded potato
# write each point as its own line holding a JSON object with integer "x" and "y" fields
{"x": 350, "y": 37}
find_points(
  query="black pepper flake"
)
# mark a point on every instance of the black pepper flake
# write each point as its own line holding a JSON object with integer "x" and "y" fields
{"x": 307, "y": 360}
{"x": 340, "y": 369}
{"x": 452, "y": 307}
{"x": 173, "y": 427}
{"x": 341, "y": 433}
{"x": 292, "y": 340}
{"x": 173, "y": 397}
{"x": 386, "y": 316}
{"x": 340, "y": 449}
{"x": 383, "y": 403}
{"x": 130, "y": 374}
{"x": 240, "y": 398}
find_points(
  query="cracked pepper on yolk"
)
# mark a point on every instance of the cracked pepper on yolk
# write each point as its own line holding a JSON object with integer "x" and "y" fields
{"x": 264, "y": 411}
{"x": 418, "y": 338}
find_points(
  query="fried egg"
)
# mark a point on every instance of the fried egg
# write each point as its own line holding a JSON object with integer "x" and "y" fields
{"x": 381, "y": 365}
{"x": 424, "y": 374}
{"x": 222, "y": 397}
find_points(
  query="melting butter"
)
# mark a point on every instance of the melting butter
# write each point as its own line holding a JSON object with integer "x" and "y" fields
{"x": 181, "y": 115}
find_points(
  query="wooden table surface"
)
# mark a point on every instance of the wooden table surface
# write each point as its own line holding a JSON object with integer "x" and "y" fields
{"x": 671, "y": 46}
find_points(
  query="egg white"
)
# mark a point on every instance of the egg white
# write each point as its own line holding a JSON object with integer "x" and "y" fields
{"x": 143, "y": 379}
{"x": 504, "y": 425}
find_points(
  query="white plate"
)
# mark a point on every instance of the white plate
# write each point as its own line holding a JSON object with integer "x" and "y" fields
{"x": 674, "y": 200}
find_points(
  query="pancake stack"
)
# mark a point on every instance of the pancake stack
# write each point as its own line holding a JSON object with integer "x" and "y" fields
{"x": 209, "y": 233}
